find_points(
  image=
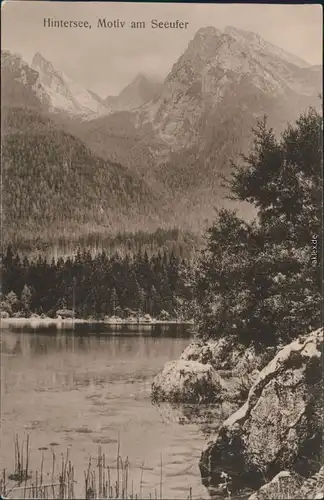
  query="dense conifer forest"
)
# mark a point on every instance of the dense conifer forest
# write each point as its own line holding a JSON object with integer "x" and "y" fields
{"x": 54, "y": 186}
{"x": 95, "y": 286}
{"x": 183, "y": 244}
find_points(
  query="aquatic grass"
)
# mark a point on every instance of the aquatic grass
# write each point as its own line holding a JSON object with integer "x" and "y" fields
{"x": 3, "y": 484}
{"x": 20, "y": 473}
{"x": 101, "y": 480}
{"x": 60, "y": 487}
{"x": 100, "y": 484}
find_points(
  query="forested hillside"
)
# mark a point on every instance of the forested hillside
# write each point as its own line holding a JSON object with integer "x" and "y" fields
{"x": 54, "y": 185}
{"x": 182, "y": 243}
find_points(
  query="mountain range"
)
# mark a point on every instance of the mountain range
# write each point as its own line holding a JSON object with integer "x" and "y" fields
{"x": 66, "y": 95}
{"x": 166, "y": 145}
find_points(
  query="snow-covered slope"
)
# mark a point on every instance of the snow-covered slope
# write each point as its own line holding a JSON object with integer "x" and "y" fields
{"x": 65, "y": 94}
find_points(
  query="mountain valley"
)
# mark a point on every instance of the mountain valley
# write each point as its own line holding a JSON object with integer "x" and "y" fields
{"x": 153, "y": 156}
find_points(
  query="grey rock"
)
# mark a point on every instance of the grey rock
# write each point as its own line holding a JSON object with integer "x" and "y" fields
{"x": 280, "y": 425}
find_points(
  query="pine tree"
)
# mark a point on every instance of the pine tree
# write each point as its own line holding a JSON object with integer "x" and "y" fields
{"x": 257, "y": 281}
{"x": 26, "y": 299}
{"x": 12, "y": 301}
{"x": 113, "y": 301}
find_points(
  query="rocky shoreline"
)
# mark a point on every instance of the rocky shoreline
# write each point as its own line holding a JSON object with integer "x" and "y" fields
{"x": 214, "y": 371}
{"x": 270, "y": 441}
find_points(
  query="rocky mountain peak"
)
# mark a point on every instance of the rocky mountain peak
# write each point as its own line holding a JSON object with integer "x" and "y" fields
{"x": 232, "y": 68}
{"x": 14, "y": 63}
{"x": 49, "y": 76}
{"x": 139, "y": 83}
{"x": 141, "y": 90}
{"x": 139, "y": 78}
{"x": 205, "y": 44}
{"x": 64, "y": 93}
{"x": 40, "y": 62}
{"x": 20, "y": 84}
{"x": 207, "y": 32}
{"x": 260, "y": 47}
{"x": 242, "y": 34}
{"x": 7, "y": 58}
{"x": 222, "y": 47}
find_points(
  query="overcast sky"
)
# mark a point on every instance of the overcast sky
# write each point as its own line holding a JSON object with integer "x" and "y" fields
{"x": 106, "y": 60}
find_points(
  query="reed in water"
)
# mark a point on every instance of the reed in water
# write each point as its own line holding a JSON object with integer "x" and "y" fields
{"x": 100, "y": 479}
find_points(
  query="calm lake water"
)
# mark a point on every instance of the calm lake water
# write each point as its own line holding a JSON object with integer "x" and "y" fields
{"x": 90, "y": 387}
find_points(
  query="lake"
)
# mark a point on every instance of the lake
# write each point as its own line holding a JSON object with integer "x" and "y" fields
{"x": 88, "y": 387}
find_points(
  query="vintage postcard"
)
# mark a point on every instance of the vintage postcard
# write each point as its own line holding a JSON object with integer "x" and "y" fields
{"x": 161, "y": 255}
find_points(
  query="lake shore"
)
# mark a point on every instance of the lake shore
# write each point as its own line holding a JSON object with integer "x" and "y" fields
{"x": 33, "y": 322}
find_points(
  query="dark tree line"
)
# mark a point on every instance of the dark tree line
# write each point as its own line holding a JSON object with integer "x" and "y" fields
{"x": 182, "y": 243}
{"x": 95, "y": 285}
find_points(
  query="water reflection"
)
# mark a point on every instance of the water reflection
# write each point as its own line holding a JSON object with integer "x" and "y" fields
{"x": 86, "y": 387}
{"x": 100, "y": 329}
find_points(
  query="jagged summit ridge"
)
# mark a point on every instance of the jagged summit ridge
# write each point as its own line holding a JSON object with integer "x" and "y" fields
{"x": 209, "y": 37}
{"x": 65, "y": 94}
{"x": 256, "y": 42}
{"x": 20, "y": 84}
{"x": 219, "y": 66}
{"x": 40, "y": 62}
{"x": 236, "y": 50}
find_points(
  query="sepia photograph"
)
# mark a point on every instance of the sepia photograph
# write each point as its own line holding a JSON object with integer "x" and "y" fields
{"x": 161, "y": 251}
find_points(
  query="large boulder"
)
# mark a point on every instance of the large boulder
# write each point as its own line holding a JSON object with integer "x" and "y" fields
{"x": 226, "y": 354}
{"x": 280, "y": 425}
{"x": 204, "y": 352}
{"x": 187, "y": 382}
{"x": 213, "y": 371}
